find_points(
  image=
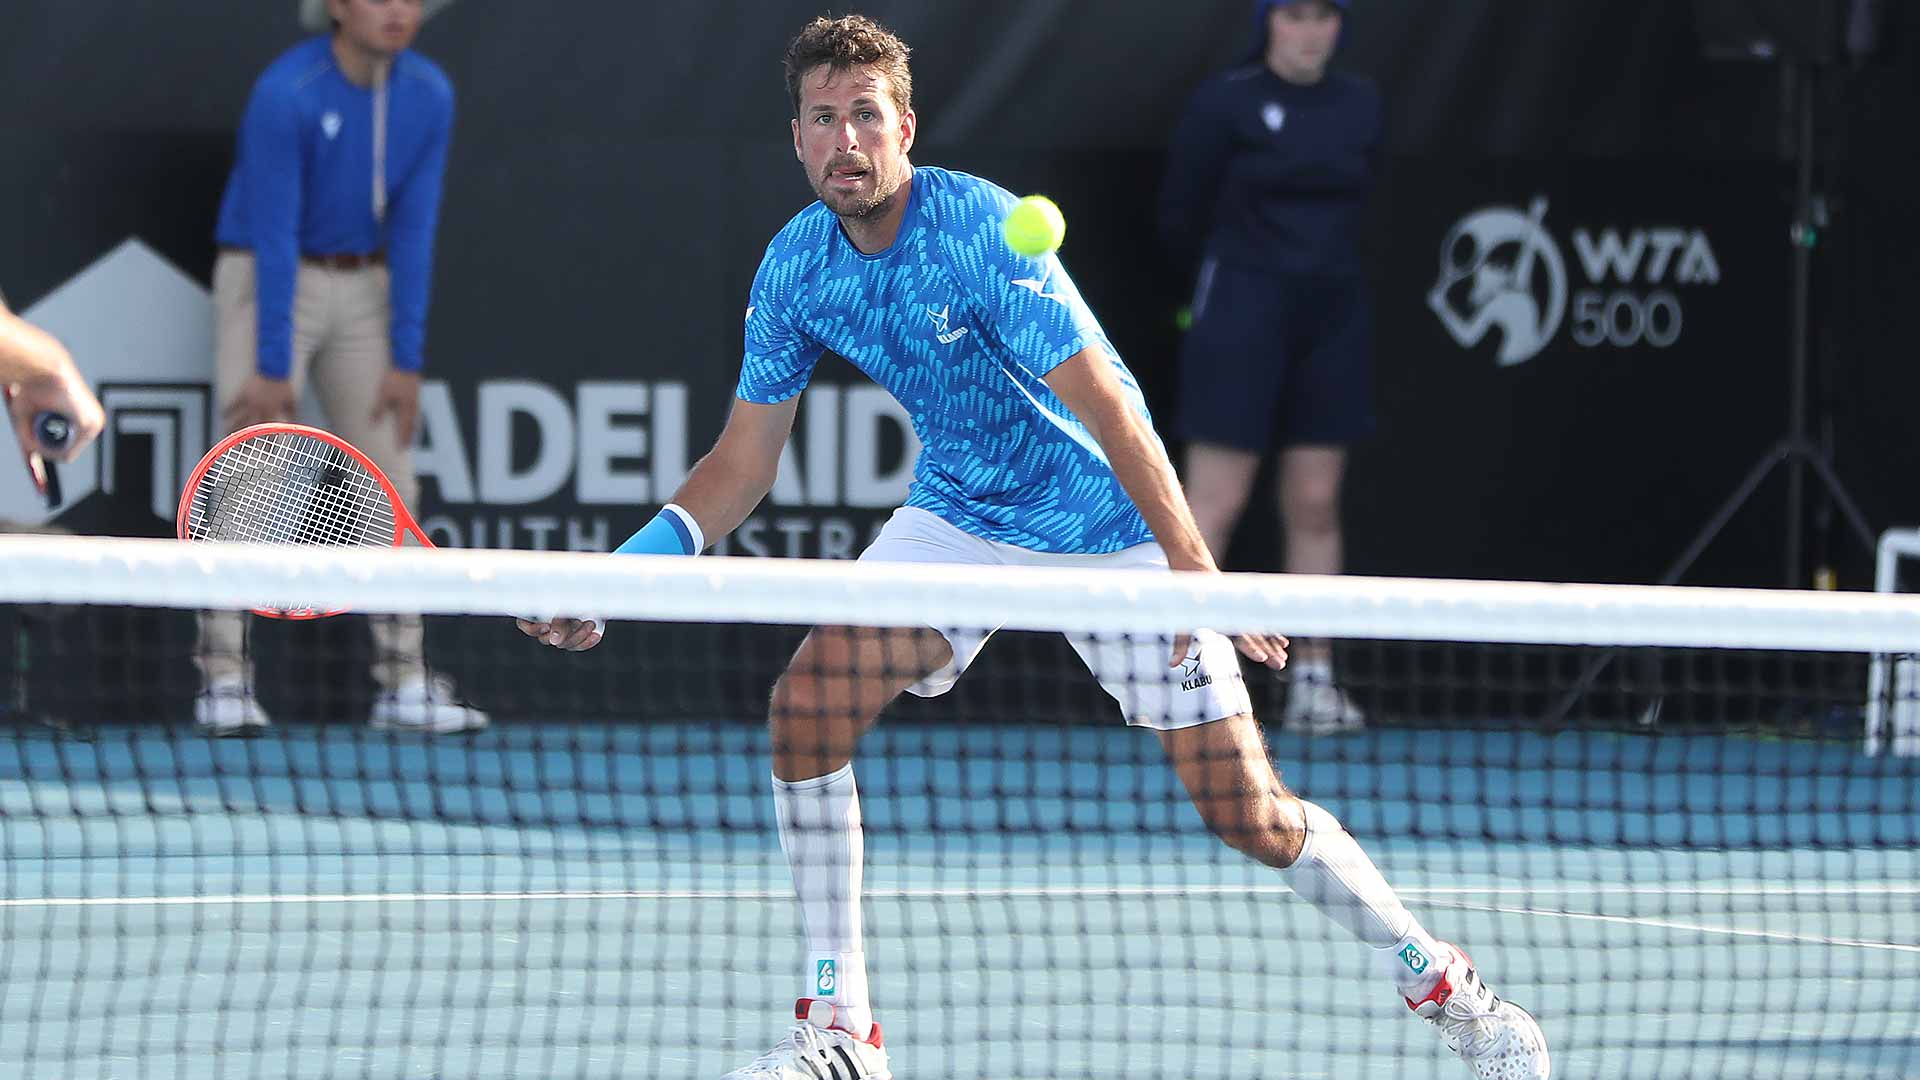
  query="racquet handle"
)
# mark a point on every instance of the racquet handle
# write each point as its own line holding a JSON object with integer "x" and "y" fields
{"x": 53, "y": 431}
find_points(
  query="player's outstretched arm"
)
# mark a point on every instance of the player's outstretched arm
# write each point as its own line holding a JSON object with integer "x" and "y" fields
{"x": 41, "y": 377}
{"x": 1089, "y": 386}
{"x": 718, "y": 494}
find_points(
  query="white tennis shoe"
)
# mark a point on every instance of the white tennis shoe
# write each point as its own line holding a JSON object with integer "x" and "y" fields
{"x": 816, "y": 1050}
{"x": 1319, "y": 707}
{"x": 226, "y": 708}
{"x": 1501, "y": 1040}
{"x": 425, "y": 705}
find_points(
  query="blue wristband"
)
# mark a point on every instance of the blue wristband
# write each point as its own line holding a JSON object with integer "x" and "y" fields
{"x": 666, "y": 534}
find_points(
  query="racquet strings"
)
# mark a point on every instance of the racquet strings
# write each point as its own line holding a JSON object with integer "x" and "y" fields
{"x": 290, "y": 488}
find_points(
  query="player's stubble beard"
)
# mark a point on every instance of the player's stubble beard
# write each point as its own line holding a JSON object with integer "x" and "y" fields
{"x": 858, "y": 204}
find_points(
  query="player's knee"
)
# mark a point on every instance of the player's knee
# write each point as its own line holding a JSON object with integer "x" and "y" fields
{"x": 797, "y": 695}
{"x": 1256, "y": 824}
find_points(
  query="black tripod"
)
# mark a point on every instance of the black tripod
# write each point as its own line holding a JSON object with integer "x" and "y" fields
{"x": 1795, "y": 451}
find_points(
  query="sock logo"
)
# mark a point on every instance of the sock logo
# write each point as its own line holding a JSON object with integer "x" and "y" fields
{"x": 1415, "y": 960}
{"x": 826, "y": 977}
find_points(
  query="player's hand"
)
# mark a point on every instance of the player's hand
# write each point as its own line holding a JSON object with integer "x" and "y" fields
{"x": 61, "y": 391}
{"x": 573, "y": 635}
{"x": 261, "y": 401}
{"x": 1268, "y": 649}
{"x": 399, "y": 396}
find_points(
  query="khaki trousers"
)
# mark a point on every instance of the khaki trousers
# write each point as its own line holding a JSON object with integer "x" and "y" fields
{"x": 342, "y": 320}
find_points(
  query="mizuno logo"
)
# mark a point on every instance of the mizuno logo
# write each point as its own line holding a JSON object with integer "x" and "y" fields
{"x": 1039, "y": 288}
{"x": 939, "y": 316}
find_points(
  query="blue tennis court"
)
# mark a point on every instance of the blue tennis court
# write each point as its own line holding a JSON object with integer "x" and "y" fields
{"x": 609, "y": 900}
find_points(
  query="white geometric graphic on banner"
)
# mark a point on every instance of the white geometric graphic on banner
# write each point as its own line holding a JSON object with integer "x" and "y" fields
{"x": 141, "y": 331}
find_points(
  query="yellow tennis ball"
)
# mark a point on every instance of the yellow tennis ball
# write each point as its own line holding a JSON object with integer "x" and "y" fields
{"x": 1035, "y": 226}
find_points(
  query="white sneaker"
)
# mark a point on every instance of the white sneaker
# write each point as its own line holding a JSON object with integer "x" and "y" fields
{"x": 1320, "y": 707}
{"x": 424, "y": 705}
{"x": 1501, "y": 1040}
{"x": 815, "y": 1049}
{"x": 227, "y": 709}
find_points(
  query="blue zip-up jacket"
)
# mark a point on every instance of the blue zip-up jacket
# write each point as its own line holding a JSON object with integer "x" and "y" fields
{"x": 303, "y": 178}
{"x": 1268, "y": 175}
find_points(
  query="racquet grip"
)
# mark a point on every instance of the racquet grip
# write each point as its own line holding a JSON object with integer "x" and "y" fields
{"x": 53, "y": 431}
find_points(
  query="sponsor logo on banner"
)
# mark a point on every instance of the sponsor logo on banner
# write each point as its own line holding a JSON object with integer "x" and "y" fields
{"x": 614, "y": 448}
{"x": 1503, "y": 269}
{"x": 141, "y": 332}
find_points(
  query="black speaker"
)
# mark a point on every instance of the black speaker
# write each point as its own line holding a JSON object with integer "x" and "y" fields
{"x": 1801, "y": 31}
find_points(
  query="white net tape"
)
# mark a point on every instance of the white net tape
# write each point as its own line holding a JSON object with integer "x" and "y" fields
{"x": 159, "y": 573}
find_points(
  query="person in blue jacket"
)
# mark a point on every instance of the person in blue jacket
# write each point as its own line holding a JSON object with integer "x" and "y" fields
{"x": 1266, "y": 182}
{"x": 326, "y": 236}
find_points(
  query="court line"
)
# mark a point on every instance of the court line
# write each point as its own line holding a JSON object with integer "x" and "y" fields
{"x": 1674, "y": 924}
{"x": 1432, "y": 896}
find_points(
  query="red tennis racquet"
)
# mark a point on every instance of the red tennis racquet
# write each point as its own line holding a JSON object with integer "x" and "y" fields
{"x": 292, "y": 484}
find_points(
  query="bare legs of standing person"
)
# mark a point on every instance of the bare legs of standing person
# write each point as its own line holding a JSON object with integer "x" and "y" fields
{"x": 1219, "y": 480}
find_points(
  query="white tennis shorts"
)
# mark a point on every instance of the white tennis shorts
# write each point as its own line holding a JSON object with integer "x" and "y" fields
{"x": 1208, "y": 686}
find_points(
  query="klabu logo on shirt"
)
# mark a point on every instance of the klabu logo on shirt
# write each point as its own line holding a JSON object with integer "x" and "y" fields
{"x": 939, "y": 316}
{"x": 1274, "y": 116}
{"x": 330, "y": 124}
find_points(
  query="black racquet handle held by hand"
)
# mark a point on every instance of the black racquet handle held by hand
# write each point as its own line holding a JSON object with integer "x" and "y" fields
{"x": 53, "y": 431}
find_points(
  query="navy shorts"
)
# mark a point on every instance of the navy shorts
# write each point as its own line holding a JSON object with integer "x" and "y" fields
{"x": 1274, "y": 361}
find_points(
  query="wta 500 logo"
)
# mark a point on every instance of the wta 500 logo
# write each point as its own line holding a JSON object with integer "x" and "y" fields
{"x": 1501, "y": 269}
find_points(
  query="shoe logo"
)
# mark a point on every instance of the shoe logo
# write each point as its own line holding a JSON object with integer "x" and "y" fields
{"x": 330, "y": 124}
{"x": 826, "y": 979}
{"x": 1415, "y": 960}
{"x": 939, "y": 316}
{"x": 1039, "y": 288}
{"x": 1190, "y": 676}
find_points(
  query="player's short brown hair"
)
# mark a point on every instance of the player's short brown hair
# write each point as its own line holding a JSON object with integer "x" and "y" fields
{"x": 847, "y": 42}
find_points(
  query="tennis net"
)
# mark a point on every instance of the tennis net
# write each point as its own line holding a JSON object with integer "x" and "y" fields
{"x": 1650, "y": 814}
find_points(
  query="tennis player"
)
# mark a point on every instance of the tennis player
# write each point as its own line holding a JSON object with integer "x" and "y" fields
{"x": 1038, "y": 450}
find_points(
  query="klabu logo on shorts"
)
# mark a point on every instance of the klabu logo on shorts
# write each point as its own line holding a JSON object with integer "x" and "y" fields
{"x": 1415, "y": 960}
{"x": 1190, "y": 675}
{"x": 826, "y": 978}
{"x": 939, "y": 316}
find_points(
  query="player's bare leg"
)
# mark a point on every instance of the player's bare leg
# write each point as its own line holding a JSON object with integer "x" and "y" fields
{"x": 1231, "y": 780}
{"x": 1309, "y": 497}
{"x": 831, "y": 693}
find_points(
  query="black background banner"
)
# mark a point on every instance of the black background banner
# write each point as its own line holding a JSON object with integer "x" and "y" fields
{"x": 619, "y": 167}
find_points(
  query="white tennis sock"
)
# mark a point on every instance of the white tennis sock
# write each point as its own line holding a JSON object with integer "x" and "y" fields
{"x": 1334, "y": 875}
{"x": 820, "y": 832}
